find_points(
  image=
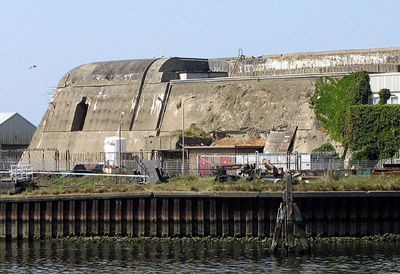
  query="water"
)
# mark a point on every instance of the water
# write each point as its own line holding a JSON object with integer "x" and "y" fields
{"x": 178, "y": 257}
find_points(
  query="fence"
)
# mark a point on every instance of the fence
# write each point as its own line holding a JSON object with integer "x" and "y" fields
{"x": 9, "y": 158}
{"x": 197, "y": 164}
{"x": 207, "y": 164}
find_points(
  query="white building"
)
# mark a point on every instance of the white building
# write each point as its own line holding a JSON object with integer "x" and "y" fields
{"x": 15, "y": 131}
{"x": 390, "y": 81}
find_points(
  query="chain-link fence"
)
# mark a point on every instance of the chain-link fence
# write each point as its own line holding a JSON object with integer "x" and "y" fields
{"x": 207, "y": 164}
{"x": 196, "y": 164}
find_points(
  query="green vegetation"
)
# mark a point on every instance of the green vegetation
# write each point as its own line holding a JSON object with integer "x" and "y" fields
{"x": 207, "y": 184}
{"x": 192, "y": 131}
{"x": 325, "y": 148}
{"x": 373, "y": 132}
{"x": 351, "y": 183}
{"x": 333, "y": 97}
{"x": 384, "y": 95}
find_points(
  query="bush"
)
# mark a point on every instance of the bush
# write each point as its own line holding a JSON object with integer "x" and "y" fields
{"x": 373, "y": 131}
{"x": 384, "y": 95}
{"x": 325, "y": 148}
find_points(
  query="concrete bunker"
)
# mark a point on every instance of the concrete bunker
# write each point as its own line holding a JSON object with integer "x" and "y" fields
{"x": 80, "y": 115}
{"x": 89, "y": 100}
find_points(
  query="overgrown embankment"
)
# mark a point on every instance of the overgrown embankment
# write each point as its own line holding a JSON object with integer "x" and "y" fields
{"x": 207, "y": 184}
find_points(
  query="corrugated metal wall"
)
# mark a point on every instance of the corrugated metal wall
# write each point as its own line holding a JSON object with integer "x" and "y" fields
{"x": 16, "y": 131}
{"x": 385, "y": 80}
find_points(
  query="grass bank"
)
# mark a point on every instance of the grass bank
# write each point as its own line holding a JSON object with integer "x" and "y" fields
{"x": 207, "y": 184}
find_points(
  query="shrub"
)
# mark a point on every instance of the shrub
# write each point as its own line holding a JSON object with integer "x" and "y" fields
{"x": 325, "y": 148}
{"x": 373, "y": 131}
{"x": 384, "y": 95}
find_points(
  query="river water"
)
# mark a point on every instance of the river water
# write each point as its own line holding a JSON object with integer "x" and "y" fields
{"x": 193, "y": 257}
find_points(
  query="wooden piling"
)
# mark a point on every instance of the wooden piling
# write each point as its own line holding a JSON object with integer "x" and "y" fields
{"x": 118, "y": 217}
{"x": 36, "y": 220}
{"x": 25, "y": 220}
{"x": 3, "y": 223}
{"x": 141, "y": 217}
{"x": 176, "y": 218}
{"x": 261, "y": 227}
{"x": 236, "y": 217}
{"x": 94, "y": 217}
{"x": 200, "y": 217}
{"x": 48, "y": 219}
{"x": 225, "y": 217}
{"x": 153, "y": 217}
{"x": 60, "y": 219}
{"x": 188, "y": 217}
{"x": 71, "y": 217}
{"x": 164, "y": 217}
{"x": 14, "y": 220}
{"x": 129, "y": 218}
{"x": 83, "y": 218}
{"x": 213, "y": 217}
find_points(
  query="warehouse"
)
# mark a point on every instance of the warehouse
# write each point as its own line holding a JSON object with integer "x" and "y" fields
{"x": 15, "y": 131}
{"x": 15, "y": 135}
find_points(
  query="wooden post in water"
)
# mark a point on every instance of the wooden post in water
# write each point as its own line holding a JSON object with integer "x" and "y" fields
{"x": 289, "y": 221}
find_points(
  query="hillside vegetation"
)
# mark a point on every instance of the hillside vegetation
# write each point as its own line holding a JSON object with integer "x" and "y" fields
{"x": 370, "y": 131}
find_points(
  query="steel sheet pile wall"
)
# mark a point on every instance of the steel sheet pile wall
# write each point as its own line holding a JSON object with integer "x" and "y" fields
{"x": 222, "y": 214}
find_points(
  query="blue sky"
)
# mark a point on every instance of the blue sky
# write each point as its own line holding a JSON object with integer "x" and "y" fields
{"x": 60, "y": 35}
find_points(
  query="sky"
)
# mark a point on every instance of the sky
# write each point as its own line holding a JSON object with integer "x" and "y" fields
{"x": 58, "y": 36}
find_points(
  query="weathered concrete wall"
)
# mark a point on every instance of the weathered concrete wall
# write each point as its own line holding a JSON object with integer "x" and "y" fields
{"x": 148, "y": 93}
{"x": 372, "y": 60}
{"x": 248, "y": 107}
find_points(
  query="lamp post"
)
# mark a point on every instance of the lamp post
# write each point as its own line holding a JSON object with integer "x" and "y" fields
{"x": 120, "y": 144}
{"x": 183, "y": 131}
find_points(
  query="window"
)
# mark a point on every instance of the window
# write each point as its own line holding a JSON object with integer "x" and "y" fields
{"x": 394, "y": 99}
{"x": 80, "y": 115}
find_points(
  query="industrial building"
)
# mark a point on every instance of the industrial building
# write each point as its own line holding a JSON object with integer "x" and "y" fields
{"x": 15, "y": 135}
{"x": 145, "y": 101}
{"x": 16, "y": 132}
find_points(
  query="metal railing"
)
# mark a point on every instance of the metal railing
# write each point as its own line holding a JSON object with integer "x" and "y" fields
{"x": 20, "y": 173}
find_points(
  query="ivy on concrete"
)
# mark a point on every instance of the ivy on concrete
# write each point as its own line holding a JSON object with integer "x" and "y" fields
{"x": 333, "y": 97}
{"x": 373, "y": 132}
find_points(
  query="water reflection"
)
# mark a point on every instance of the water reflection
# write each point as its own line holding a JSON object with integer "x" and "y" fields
{"x": 182, "y": 257}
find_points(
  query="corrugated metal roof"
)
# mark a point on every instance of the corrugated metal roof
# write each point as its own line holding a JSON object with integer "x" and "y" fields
{"x": 4, "y": 116}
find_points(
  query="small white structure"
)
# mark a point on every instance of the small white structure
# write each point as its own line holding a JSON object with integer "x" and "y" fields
{"x": 390, "y": 81}
{"x": 113, "y": 147}
{"x": 200, "y": 75}
{"x": 15, "y": 131}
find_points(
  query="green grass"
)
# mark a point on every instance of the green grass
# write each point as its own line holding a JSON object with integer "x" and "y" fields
{"x": 207, "y": 184}
{"x": 352, "y": 183}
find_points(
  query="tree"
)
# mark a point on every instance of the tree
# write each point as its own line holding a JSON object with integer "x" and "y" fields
{"x": 384, "y": 95}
